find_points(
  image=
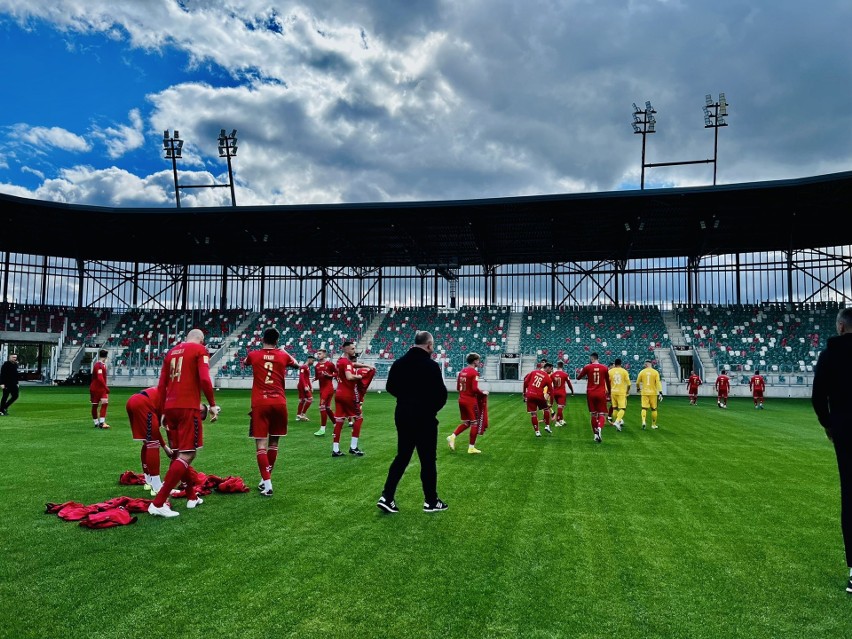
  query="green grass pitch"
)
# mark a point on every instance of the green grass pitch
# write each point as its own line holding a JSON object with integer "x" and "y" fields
{"x": 719, "y": 524}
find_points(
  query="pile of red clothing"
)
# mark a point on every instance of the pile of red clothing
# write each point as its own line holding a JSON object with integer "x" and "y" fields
{"x": 106, "y": 514}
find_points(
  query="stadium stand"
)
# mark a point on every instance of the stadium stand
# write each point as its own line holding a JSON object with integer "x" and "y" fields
{"x": 303, "y": 331}
{"x": 772, "y": 338}
{"x": 481, "y": 329}
{"x": 571, "y": 333}
{"x": 143, "y": 337}
{"x": 80, "y": 324}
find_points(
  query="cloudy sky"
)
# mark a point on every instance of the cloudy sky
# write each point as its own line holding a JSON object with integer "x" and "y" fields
{"x": 392, "y": 100}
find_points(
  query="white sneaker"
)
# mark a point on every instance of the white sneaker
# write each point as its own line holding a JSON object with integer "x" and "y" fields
{"x": 547, "y": 430}
{"x": 654, "y": 426}
{"x": 598, "y": 437}
{"x": 162, "y": 511}
{"x": 192, "y": 503}
{"x": 451, "y": 440}
{"x": 618, "y": 425}
{"x": 149, "y": 488}
{"x": 538, "y": 433}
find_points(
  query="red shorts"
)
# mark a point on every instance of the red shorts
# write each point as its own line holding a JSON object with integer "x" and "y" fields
{"x": 469, "y": 410}
{"x": 597, "y": 403}
{"x": 144, "y": 422}
{"x": 99, "y": 396}
{"x": 305, "y": 393}
{"x": 536, "y": 404}
{"x": 186, "y": 432}
{"x": 345, "y": 407}
{"x": 326, "y": 395}
{"x": 758, "y": 395}
{"x": 559, "y": 400}
{"x": 268, "y": 420}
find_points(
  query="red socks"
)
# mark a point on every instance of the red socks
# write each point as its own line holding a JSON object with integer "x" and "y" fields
{"x": 153, "y": 458}
{"x": 177, "y": 469}
{"x": 272, "y": 455}
{"x": 144, "y": 455}
{"x": 263, "y": 464}
{"x": 356, "y": 427}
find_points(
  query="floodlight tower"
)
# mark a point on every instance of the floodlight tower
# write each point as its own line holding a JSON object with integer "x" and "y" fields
{"x": 173, "y": 145}
{"x": 644, "y": 123}
{"x": 713, "y": 120}
{"x": 228, "y": 149}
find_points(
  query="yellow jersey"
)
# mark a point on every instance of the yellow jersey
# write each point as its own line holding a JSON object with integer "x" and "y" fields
{"x": 648, "y": 381}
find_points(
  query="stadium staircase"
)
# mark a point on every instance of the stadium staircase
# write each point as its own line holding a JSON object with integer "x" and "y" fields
{"x": 675, "y": 334}
{"x": 711, "y": 371}
{"x": 368, "y": 335}
{"x": 107, "y": 330}
{"x": 72, "y": 354}
{"x": 513, "y": 333}
{"x": 226, "y": 353}
{"x": 668, "y": 371}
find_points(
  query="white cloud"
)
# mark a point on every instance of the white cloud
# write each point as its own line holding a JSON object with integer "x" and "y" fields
{"x": 342, "y": 101}
{"x": 122, "y": 138}
{"x": 32, "y": 171}
{"x": 45, "y": 137}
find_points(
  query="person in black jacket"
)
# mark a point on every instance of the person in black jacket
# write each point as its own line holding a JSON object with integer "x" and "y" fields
{"x": 9, "y": 383}
{"x": 830, "y": 399}
{"x": 416, "y": 381}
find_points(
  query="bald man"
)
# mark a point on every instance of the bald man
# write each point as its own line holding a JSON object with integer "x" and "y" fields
{"x": 185, "y": 375}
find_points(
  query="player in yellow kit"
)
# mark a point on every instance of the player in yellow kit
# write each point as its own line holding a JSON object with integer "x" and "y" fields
{"x": 650, "y": 388}
{"x": 619, "y": 384}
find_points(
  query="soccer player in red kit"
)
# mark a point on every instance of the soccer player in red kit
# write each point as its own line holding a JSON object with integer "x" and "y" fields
{"x": 268, "y": 415}
{"x": 561, "y": 385}
{"x": 723, "y": 386}
{"x": 184, "y": 377}
{"x": 692, "y": 385}
{"x": 306, "y": 391}
{"x": 325, "y": 372}
{"x": 143, "y": 413}
{"x": 597, "y": 390}
{"x": 345, "y": 400}
{"x": 537, "y": 386}
{"x": 99, "y": 390}
{"x": 470, "y": 396}
{"x": 757, "y": 384}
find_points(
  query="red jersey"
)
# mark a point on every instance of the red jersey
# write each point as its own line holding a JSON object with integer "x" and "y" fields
{"x": 185, "y": 376}
{"x": 325, "y": 373}
{"x": 345, "y": 387}
{"x": 99, "y": 378}
{"x": 757, "y": 383}
{"x": 597, "y": 376}
{"x": 367, "y": 375}
{"x": 537, "y": 384}
{"x": 693, "y": 382}
{"x": 723, "y": 384}
{"x": 269, "y": 368}
{"x": 304, "y": 376}
{"x": 561, "y": 382}
{"x": 467, "y": 384}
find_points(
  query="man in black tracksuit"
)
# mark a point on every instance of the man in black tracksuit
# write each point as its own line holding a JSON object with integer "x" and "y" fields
{"x": 9, "y": 383}
{"x": 830, "y": 398}
{"x": 415, "y": 380}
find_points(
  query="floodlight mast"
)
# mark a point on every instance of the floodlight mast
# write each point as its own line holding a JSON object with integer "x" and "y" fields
{"x": 172, "y": 144}
{"x": 712, "y": 120}
{"x": 644, "y": 123}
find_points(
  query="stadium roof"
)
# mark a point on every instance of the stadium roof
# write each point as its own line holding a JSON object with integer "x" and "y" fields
{"x": 697, "y": 221}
